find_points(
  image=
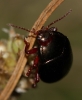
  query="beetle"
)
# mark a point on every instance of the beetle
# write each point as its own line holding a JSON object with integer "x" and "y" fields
{"x": 54, "y": 53}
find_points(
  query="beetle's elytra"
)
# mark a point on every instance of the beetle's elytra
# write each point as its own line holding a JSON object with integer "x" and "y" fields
{"x": 55, "y": 58}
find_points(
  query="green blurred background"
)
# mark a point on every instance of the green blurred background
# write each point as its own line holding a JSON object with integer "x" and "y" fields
{"x": 24, "y": 13}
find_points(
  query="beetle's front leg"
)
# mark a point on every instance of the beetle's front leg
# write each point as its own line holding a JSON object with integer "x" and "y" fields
{"x": 31, "y": 51}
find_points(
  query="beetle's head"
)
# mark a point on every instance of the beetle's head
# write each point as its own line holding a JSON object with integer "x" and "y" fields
{"x": 45, "y": 35}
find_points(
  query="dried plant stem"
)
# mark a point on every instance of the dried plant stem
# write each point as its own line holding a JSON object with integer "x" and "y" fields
{"x": 22, "y": 60}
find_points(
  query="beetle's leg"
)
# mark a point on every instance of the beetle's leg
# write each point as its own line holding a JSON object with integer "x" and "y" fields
{"x": 35, "y": 64}
{"x": 32, "y": 51}
{"x": 34, "y": 67}
{"x": 26, "y": 43}
{"x": 36, "y": 60}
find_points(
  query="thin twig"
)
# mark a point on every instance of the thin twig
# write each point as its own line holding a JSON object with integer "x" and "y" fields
{"x": 22, "y": 60}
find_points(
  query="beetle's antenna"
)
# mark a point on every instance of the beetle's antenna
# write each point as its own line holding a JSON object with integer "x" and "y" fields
{"x": 21, "y": 28}
{"x": 59, "y": 18}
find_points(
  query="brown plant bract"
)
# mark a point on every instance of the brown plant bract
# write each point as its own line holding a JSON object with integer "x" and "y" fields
{"x": 22, "y": 59}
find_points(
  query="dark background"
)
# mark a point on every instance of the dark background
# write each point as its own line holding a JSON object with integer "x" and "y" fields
{"x": 24, "y": 13}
